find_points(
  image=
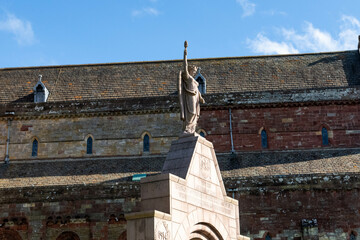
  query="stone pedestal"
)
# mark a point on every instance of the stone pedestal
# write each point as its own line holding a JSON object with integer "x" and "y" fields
{"x": 188, "y": 199}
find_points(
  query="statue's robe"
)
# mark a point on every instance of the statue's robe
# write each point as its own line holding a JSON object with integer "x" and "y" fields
{"x": 189, "y": 97}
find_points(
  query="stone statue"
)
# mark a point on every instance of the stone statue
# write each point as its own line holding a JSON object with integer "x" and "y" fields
{"x": 189, "y": 96}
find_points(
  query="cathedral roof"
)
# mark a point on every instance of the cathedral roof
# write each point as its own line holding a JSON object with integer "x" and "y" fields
{"x": 159, "y": 78}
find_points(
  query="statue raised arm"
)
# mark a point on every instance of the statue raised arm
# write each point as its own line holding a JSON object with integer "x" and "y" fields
{"x": 189, "y": 96}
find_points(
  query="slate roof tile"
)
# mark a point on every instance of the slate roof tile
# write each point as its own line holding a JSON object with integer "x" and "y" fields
{"x": 159, "y": 78}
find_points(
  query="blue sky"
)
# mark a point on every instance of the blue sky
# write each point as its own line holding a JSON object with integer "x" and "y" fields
{"x": 37, "y": 33}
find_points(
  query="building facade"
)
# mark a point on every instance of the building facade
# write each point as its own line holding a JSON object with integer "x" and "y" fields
{"x": 285, "y": 128}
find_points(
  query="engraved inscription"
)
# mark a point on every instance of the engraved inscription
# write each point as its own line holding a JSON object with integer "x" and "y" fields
{"x": 205, "y": 168}
{"x": 162, "y": 231}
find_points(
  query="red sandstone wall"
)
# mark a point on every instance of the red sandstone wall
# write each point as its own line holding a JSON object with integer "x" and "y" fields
{"x": 273, "y": 204}
{"x": 277, "y": 205}
{"x": 89, "y": 212}
{"x": 287, "y": 128}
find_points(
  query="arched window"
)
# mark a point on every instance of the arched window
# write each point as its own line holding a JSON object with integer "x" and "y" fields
{"x": 89, "y": 145}
{"x": 202, "y": 133}
{"x": 325, "y": 137}
{"x": 35, "y": 146}
{"x": 39, "y": 94}
{"x": 352, "y": 236}
{"x": 268, "y": 237}
{"x": 264, "y": 140}
{"x": 202, "y": 86}
{"x": 201, "y": 80}
{"x": 146, "y": 143}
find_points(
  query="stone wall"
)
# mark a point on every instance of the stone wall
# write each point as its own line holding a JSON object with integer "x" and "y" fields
{"x": 90, "y": 212}
{"x": 114, "y": 135}
{"x": 278, "y": 206}
{"x": 274, "y": 205}
{"x": 287, "y": 128}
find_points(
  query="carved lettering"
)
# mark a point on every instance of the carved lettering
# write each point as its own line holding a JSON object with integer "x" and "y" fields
{"x": 205, "y": 167}
{"x": 162, "y": 236}
{"x": 163, "y": 232}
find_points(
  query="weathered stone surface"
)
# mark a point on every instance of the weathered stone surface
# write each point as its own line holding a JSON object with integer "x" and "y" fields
{"x": 193, "y": 195}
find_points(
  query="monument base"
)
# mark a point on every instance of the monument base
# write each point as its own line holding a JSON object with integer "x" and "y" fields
{"x": 188, "y": 199}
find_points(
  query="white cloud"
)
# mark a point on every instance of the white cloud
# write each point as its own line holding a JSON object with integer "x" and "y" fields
{"x": 247, "y": 6}
{"x": 350, "y": 28}
{"x": 273, "y": 12}
{"x": 145, "y": 11}
{"x": 264, "y": 45}
{"x": 311, "y": 39}
{"x": 21, "y": 29}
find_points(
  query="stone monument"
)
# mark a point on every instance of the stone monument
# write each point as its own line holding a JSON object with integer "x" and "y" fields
{"x": 188, "y": 199}
{"x": 189, "y": 96}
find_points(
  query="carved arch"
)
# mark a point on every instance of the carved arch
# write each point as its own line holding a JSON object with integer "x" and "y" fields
{"x": 9, "y": 235}
{"x": 202, "y": 226}
{"x": 205, "y": 231}
{"x": 123, "y": 236}
{"x": 68, "y": 236}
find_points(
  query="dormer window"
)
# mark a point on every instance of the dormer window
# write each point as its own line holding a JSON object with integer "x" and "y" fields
{"x": 40, "y": 91}
{"x": 40, "y": 94}
{"x": 201, "y": 80}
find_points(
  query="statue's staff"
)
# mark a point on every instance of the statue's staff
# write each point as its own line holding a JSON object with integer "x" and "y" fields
{"x": 180, "y": 89}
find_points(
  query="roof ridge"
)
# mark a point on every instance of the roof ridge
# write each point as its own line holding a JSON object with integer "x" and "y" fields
{"x": 174, "y": 60}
